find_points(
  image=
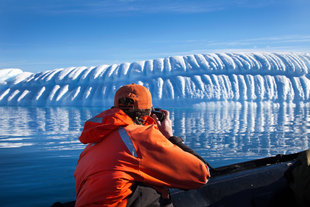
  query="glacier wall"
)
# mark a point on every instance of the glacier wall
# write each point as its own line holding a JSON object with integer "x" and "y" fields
{"x": 173, "y": 81}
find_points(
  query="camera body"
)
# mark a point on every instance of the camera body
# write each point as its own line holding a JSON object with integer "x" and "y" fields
{"x": 160, "y": 115}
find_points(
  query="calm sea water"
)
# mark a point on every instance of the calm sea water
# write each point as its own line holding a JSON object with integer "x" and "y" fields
{"x": 39, "y": 147}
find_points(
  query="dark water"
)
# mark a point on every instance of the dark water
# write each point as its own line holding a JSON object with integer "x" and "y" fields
{"x": 39, "y": 147}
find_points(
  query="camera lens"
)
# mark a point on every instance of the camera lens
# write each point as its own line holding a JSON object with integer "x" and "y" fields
{"x": 160, "y": 115}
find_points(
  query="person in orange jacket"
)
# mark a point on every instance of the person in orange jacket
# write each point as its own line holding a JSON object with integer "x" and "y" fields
{"x": 132, "y": 157}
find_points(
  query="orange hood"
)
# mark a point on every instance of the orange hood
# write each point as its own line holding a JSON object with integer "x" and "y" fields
{"x": 98, "y": 127}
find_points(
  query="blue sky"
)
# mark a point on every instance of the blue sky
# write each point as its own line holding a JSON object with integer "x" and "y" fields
{"x": 39, "y": 35}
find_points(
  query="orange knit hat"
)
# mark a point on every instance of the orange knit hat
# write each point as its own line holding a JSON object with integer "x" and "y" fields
{"x": 142, "y": 96}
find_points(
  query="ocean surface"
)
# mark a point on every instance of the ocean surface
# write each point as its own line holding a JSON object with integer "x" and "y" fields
{"x": 39, "y": 146}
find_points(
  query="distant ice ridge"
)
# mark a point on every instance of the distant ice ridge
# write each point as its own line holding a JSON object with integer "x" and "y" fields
{"x": 173, "y": 81}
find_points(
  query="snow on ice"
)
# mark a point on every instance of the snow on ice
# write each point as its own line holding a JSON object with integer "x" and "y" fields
{"x": 173, "y": 81}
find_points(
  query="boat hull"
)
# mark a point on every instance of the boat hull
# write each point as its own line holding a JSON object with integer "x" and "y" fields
{"x": 263, "y": 186}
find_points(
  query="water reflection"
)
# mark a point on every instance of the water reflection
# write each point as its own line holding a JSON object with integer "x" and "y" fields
{"x": 218, "y": 132}
{"x": 39, "y": 147}
{"x": 39, "y": 129}
{"x": 237, "y": 132}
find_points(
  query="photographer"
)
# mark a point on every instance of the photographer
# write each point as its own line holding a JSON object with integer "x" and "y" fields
{"x": 132, "y": 157}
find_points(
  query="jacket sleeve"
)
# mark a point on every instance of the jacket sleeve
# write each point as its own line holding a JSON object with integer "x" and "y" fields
{"x": 163, "y": 163}
{"x": 179, "y": 142}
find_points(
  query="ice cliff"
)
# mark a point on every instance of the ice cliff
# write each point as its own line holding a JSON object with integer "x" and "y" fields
{"x": 173, "y": 81}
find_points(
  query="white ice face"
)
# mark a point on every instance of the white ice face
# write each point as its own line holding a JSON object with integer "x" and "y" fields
{"x": 181, "y": 80}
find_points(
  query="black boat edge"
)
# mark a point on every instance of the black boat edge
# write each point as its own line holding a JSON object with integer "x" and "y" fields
{"x": 256, "y": 183}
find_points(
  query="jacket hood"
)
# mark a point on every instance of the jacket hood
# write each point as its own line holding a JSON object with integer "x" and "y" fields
{"x": 96, "y": 128}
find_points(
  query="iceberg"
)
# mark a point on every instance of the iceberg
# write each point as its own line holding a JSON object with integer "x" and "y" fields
{"x": 173, "y": 81}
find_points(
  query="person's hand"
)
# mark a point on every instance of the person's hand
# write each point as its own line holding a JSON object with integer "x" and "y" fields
{"x": 165, "y": 127}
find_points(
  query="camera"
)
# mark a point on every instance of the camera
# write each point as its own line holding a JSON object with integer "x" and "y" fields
{"x": 160, "y": 115}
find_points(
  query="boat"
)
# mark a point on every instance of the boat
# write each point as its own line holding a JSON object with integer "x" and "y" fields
{"x": 255, "y": 183}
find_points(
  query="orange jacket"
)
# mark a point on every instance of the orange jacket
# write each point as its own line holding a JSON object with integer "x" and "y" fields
{"x": 120, "y": 153}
